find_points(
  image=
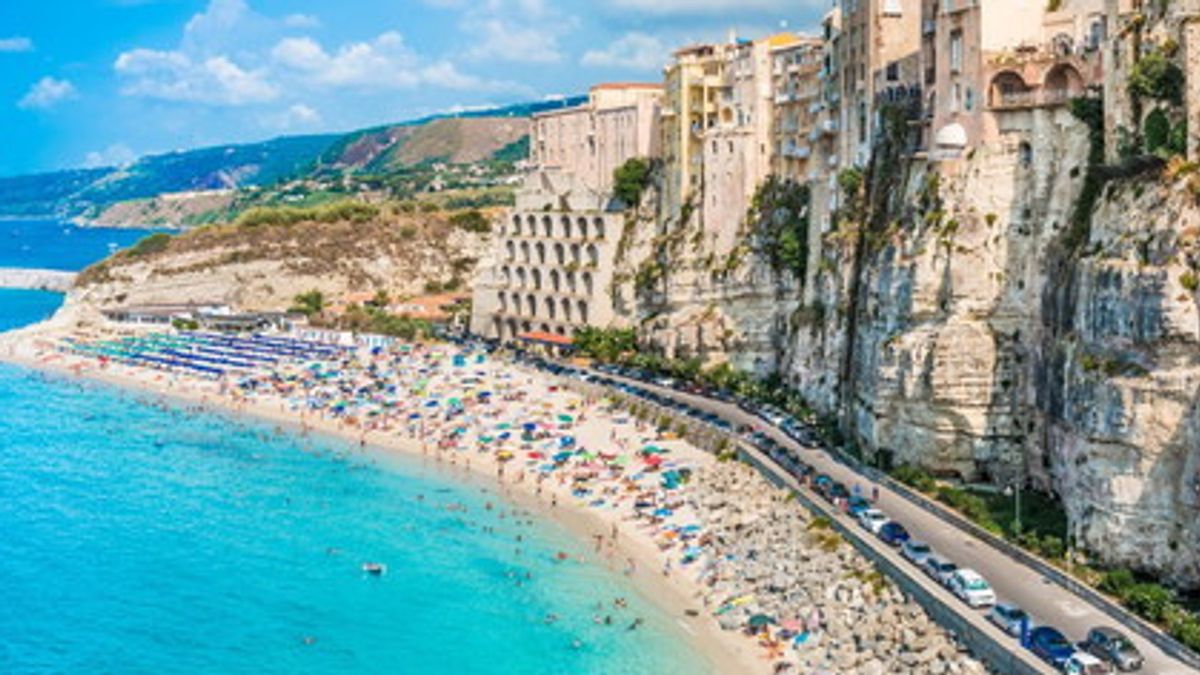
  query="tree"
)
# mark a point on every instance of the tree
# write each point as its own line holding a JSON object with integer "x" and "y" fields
{"x": 381, "y": 300}
{"x": 310, "y": 303}
{"x": 630, "y": 180}
{"x": 1156, "y": 76}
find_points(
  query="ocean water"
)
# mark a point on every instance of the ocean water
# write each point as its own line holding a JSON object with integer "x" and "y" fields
{"x": 138, "y": 538}
{"x": 20, "y": 307}
{"x": 57, "y": 245}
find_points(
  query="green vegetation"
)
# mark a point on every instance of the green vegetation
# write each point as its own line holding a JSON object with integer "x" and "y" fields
{"x": 309, "y": 304}
{"x": 155, "y": 243}
{"x": 1155, "y": 76}
{"x": 356, "y": 212}
{"x": 1089, "y": 110}
{"x": 607, "y": 345}
{"x": 631, "y": 179}
{"x": 1190, "y": 281}
{"x": 513, "y": 152}
{"x": 471, "y": 221}
{"x": 368, "y": 319}
{"x": 1154, "y": 603}
{"x": 779, "y": 215}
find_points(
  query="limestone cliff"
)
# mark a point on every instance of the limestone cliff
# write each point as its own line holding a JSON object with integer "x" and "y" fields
{"x": 962, "y": 317}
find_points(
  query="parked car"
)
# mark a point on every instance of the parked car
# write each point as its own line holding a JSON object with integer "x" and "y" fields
{"x": 1112, "y": 646}
{"x": 836, "y": 491}
{"x": 916, "y": 551}
{"x": 1049, "y": 644}
{"x": 1083, "y": 663}
{"x": 858, "y": 505}
{"x": 872, "y": 520}
{"x": 971, "y": 588}
{"x": 1008, "y": 618}
{"x": 893, "y": 533}
{"x": 939, "y": 568}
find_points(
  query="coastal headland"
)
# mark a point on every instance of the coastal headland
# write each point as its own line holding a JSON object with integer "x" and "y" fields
{"x": 37, "y": 280}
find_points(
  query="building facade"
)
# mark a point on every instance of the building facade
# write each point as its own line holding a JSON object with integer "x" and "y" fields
{"x": 552, "y": 262}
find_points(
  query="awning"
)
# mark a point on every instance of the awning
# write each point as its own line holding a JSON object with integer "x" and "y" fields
{"x": 552, "y": 339}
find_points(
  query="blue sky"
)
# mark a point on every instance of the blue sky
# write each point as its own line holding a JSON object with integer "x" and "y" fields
{"x": 98, "y": 82}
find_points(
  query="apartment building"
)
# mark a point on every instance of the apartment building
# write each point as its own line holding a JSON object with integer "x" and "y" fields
{"x": 990, "y": 63}
{"x": 796, "y": 66}
{"x": 878, "y": 54}
{"x": 552, "y": 262}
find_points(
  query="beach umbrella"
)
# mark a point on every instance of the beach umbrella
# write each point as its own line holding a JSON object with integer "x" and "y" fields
{"x": 562, "y": 457}
{"x": 792, "y": 625}
{"x": 760, "y": 620}
{"x": 653, "y": 460}
{"x": 566, "y": 418}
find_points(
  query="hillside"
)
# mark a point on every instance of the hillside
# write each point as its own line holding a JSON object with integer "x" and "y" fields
{"x": 269, "y": 256}
{"x": 466, "y": 138}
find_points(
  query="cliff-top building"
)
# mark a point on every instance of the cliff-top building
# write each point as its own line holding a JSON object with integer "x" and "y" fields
{"x": 552, "y": 262}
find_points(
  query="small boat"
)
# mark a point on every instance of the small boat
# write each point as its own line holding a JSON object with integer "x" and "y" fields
{"x": 374, "y": 568}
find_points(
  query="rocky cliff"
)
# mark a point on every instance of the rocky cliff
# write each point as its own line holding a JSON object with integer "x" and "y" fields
{"x": 963, "y": 317}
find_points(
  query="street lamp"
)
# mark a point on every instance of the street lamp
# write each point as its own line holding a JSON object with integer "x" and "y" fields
{"x": 1015, "y": 491}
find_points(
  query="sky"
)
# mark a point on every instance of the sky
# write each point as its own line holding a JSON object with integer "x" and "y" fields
{"x": 101, "y": 82}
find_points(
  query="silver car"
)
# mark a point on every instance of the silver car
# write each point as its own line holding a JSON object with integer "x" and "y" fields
{"x": 916, "y": 551}
{"x": 939, "y": 569}
{"x": 1008, "y": 617}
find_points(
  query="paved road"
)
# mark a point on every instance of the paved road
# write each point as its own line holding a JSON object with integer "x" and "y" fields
{"x": 1046, "y": 601}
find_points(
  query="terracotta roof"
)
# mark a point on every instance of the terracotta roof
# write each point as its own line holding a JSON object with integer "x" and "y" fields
{"x": 547, "y": 338}
{"x": 627, "y": 85}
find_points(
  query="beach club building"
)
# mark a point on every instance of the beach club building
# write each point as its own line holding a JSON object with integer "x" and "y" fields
{"x": 551, "y": 266}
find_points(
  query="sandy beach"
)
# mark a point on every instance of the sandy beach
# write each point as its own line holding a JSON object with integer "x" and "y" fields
{"x": 752, "y": 580}
{"x": 632, "y": 551}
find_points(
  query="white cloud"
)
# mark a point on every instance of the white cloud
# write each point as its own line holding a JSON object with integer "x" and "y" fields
{"x": 48, "y": 92}
{"x": 384, "y": 62}
{"x": 175, "y": 76}
{"x": 697, "y": 7}
{"x": 16, "y": 44}
{"x": 632, "y": 50}
{"x": 301, "y": 21}
{"x": 118, "y": 155}
{"x": 508, "y": 41}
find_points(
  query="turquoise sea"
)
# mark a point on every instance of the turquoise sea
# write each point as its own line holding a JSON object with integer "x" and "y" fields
{"x": 140, "y": 538}
{"x": 51, "y": 244}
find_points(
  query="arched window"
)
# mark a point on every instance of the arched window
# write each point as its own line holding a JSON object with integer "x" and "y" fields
{"x": 537, "y": 279}
{"x": 566, "y": 226}
{"x": 540, "y": 249}
{"x": 517, "y": 226}
{"x": 551, "y": 309}
{"x": 583, "y": 311}
{"x": 1062, "y": 83}
{"x": 547, "y": 226}
{"x": 506, "y": 275}
{"x": 583, "y": 228}
{"x": 511, "y": 249}
{"x": 1009, "y": 90}
{"x": 516, "y": 304}
{"x": 531, "y": 221}
{"x": 587, "y": 283}
{"x": 1025, "y": 154}
{"x": 503, "y": 302}
{"x": 593, "y": 255}
{"x": 525, "y": 251}
{"x": 521, "y": 279}
{"x": 555, "y": 281}
{"x": 570, "y": 282}
{"x": 566, "y": 309}
{"x": 560, "y": 254}
{"x": 598, "y": 228}
{"x": 531, "y": 304}
{"x": 575, "y": 253}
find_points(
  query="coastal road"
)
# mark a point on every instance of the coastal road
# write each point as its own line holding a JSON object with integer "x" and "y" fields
{"x": 1046, "y": 601}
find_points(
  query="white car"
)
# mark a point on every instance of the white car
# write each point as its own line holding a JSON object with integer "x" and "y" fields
{"x": 916, "y": 551}
{"x": 872, "y": 519}
{"x": 1009, "y": 618}
{"x": 972, "y": 588}
{"x": 1083, "y": 663}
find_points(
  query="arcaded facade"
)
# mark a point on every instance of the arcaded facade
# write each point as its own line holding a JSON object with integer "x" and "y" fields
{"x": 551, "y": 267}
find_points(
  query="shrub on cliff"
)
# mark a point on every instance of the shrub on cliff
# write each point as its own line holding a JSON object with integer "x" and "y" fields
{"x": 1156, "y": 76}
{"x": 471, "y": 221}
{"x": 630, "y": 180}
{"x": 155, "y": 243}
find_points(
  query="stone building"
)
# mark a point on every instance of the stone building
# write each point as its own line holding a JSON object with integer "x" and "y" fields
{"x": 877, "y": 48}
{"x": 990, "y": 66}
{"x": 552, "y": 261}
{"x": 796, "y": 63}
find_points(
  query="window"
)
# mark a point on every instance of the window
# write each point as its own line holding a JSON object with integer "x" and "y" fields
{"x": 893, "y": 72}
{"x": 956, "y": 51}
{"x": 892, "y": 8}
{"x": 955, "y": 97}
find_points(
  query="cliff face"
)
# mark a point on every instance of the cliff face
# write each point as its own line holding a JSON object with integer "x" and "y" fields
{"x": 1121, "y": 387}
{"x": 965, "y": 322}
